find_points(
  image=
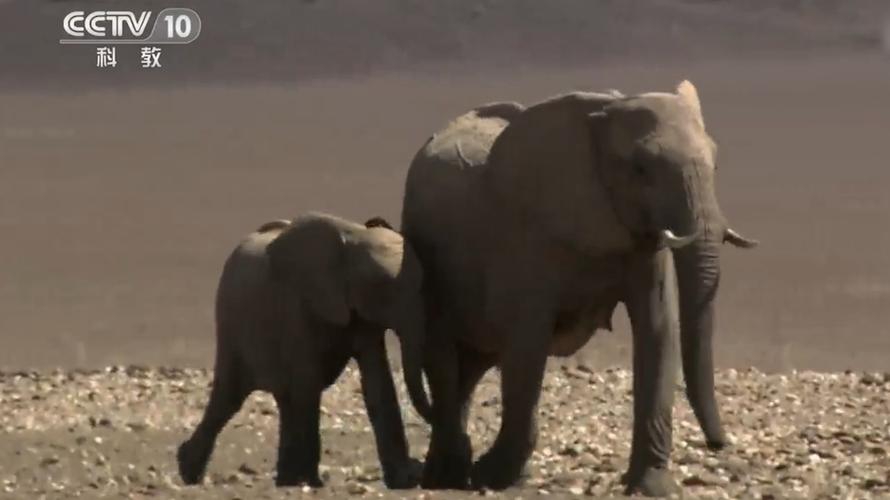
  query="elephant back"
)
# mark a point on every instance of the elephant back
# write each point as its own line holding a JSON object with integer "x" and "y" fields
{"x": 442, "y": 172}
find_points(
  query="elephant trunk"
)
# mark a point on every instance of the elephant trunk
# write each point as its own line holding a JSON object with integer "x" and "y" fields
{"x": 411, "y": 337}
{"x": 698, "y": 277}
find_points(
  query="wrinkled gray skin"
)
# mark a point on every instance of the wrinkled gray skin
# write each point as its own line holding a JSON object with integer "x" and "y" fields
{"x": 295, "y": 302}
{"x": 532, "y": 224}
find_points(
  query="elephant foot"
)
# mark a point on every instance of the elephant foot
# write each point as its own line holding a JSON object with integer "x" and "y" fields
{"x": 296, "y": 470}
{"x": 717, "y": 445}
{"x": 192, "y": 460}
{"x": 650, "y": 482}
{"x": 719, "y": 441}
{"x": 404, "y": 476}
{"x": 286, "y": 480}
{"x": 448, "y": 467}
{"x": 498, "y": 470}
{"x": 715, "y": 437}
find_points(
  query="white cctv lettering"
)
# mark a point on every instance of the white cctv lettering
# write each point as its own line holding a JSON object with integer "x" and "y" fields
{"x": 96, "y": 23}
{"x": 69, "y": 23}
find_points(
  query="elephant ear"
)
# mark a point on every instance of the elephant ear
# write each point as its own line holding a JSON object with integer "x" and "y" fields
{"x": 688, "y": 93}
{"x": 543, "y": 170}
{"x": 309, "y": 256}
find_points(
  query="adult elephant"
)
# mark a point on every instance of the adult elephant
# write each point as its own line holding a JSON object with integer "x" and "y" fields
{"x": 532, "y": 224}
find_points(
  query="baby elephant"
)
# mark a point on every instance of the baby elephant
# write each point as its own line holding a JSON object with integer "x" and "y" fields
{"x": 295, "y": 302}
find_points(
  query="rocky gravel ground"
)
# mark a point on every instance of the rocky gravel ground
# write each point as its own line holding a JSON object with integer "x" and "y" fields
{"x": 113, "y": 432}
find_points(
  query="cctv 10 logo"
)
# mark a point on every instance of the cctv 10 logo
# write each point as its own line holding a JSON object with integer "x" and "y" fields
{"x": 172, "y": 25}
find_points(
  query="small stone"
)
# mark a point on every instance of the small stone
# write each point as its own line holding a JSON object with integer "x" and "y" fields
{"x": 569, "y": 478}
{"x": 572, "y": 450}
{"x": 358, "y": 488}
{"x": 809, "y": 434}
{"x": 605, "y": 465}
{"x": 588, "y": 460}
{"x": 100, "y": 422}
{"x": 702, "y": 479}
{"x": 584, "y": 367}
{"x": 872, "y": 483}
{"x": 736, "y": 465}
{"x": 247, "y": 470}
{"x": 137, "y": 426}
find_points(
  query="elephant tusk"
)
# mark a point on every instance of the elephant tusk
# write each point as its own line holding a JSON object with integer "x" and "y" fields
{"x": 671, "y": 240}
{"x": 738, "y": 240}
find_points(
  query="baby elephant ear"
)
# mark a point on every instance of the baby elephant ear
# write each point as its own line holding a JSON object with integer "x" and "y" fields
{"x": 310, "y": 258}
{"x": 378, "y": 222}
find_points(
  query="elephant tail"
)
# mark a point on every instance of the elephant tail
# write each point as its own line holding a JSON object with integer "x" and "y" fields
{"x": 411, "y": 336}
{"x": 413, "y": 373}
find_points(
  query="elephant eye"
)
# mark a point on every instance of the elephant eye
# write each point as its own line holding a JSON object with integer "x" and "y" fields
{"x": 639, "y": 169}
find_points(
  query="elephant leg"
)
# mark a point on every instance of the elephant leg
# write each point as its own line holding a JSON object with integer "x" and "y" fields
{"x": 382, "y": 404}
{"x": 448, "y": 459}
{"x": 334, "y": 364}
{"x": 450, "y": 454}
{"x": 522, "y": 373}
{"x": 652, "y": 305}
{"x": 230, "y": 388}
{"x": 299, "y": 443}
{"x": 473, "y": 366}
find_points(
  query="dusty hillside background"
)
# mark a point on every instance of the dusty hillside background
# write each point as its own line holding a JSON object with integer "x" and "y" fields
{"x": 121, "y": 191}
{"x": 300, "y": 40}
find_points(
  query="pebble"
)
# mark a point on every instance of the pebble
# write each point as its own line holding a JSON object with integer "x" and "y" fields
{"x": 701, "y": 479}
{"x": 358, "y": 488}
{"x": 247, "y": 470}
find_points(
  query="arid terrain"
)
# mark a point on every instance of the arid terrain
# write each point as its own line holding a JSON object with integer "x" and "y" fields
{"x": 123, "y": 190}
{"x": 114, "y": 432}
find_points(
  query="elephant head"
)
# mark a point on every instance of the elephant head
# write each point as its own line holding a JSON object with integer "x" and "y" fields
{"x": 658, "y": 164}
{"x": 339, "y": 269}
